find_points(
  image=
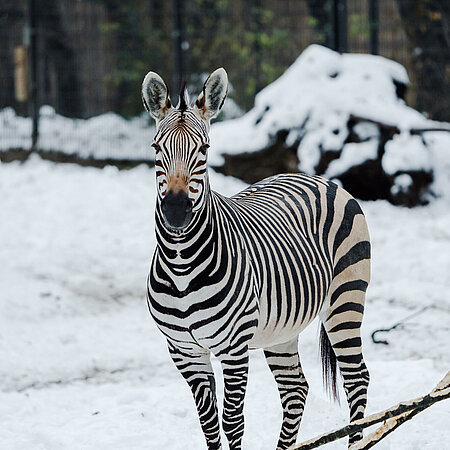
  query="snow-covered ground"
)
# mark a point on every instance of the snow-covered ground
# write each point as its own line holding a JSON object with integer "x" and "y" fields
{"x": 82, "y": 366}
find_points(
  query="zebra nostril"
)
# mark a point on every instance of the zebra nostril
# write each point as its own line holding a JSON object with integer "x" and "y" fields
{"x": 176, "y": 209}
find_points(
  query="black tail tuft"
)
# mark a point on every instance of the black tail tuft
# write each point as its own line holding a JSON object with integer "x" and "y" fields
{"x": 329, "y": 366}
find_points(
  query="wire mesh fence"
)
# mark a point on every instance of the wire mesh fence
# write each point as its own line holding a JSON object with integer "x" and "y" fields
{"x": 88, "y": 57}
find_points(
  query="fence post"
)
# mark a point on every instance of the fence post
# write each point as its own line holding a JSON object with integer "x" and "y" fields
{"x": 341, "y": 25}
{"x": 256, "y": 19}
{"x": 373, "y": 24}
{"x": 177, "y": 42}
{"x": 338, "y": 20}
{"x": 34, "y": 76}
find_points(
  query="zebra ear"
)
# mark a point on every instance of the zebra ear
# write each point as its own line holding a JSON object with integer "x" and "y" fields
{"x": 155, "y": 96}
{"x": 210, "y": 101}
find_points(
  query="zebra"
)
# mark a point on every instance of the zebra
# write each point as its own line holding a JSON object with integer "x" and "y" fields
{"x": 231, "y": 274}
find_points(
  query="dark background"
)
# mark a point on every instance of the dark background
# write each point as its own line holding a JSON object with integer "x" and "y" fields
{"x": 91, "y": 55}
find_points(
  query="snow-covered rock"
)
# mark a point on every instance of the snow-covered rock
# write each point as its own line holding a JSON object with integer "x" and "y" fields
{"x": 345, "y": 117}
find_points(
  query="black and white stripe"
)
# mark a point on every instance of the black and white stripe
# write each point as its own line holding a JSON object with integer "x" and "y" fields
{"x": 252, "y": 271}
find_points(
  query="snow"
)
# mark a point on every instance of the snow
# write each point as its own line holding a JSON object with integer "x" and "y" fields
{"x": 317, "y": 97}
{"x": 321, "y": 89}
{"x": 314, "y": 100}
{"x": 401, "y": 183}
{"x": 353, "y": 154}
{"x": 406, "y": 152}
{"x": 83, "y": 365}
{"x": 81, "y": 362}
{"x": 105, "y": 136}
{"x": 439, "y": 145}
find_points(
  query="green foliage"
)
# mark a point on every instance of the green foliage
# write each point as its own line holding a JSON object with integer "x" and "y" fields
{"x": 358, "y": 25}
{"x": 312, "y": 21}
{"x": 250, "y": 40}
{"x": 140, "y": 48}
{"x": 247, "y": 40}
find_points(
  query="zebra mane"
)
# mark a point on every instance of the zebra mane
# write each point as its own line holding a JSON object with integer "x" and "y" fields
{"x": 184, "y": 97}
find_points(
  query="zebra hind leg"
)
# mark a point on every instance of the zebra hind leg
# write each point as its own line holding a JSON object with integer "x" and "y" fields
{"x": 284, "y": 362}
{"x": 341, "y": 342}
{"x": 196, "y": 369}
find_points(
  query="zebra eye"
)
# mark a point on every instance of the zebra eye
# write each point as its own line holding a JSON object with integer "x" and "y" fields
{"x": 203, "y": 148}
{"x": 156, "y": 146}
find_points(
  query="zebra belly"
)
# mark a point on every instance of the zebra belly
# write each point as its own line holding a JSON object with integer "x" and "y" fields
{"x": 269, "y": 337}
{"x": 271, "y": 332}
{"x": 292, "y": 293}
{"x": 295, "y": 273}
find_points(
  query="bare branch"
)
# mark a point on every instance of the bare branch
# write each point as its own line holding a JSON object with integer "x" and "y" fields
{"x": 426, "y": 130}
{"x": 393, "y": 129}
{"x": 388, "y": 427}
{"x": 394, "y": 416}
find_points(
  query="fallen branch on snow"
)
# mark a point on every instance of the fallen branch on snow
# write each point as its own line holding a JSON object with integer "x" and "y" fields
{"x": 394, "y": 417}
{"x": 375, "y": 340}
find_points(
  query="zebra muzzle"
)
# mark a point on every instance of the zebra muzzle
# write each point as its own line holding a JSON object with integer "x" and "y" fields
{"x": 176, "y": 209}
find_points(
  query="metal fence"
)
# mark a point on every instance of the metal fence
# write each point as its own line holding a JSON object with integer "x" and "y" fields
{"x": 88, "y": 57}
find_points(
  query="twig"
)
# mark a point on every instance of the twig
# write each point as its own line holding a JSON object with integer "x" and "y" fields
{"x": 394, "y": 416}
{"x": 393, "y": 129}
{"x": 391, "y": 424}
{"x": 414, "y": 131}
{"x": 401, "y": 322}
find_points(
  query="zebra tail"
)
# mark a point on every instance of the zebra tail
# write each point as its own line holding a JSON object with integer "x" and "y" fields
{"x": 329, "y": 366}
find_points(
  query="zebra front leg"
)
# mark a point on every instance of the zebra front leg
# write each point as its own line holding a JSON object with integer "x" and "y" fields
{"x": 284, "y": 362}
{"x": 196, "y": 369}
{"x": 235, "y": 372}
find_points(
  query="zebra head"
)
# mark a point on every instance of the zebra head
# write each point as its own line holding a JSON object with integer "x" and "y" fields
{"x": 181, "y": 144}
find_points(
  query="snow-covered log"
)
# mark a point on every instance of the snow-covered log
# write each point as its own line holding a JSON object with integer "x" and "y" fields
{"x": 343, "y": 116}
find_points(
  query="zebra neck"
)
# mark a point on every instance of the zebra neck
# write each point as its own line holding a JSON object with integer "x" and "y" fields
{"x": 189, "y": 247}
{"x": 194, "y": 258}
